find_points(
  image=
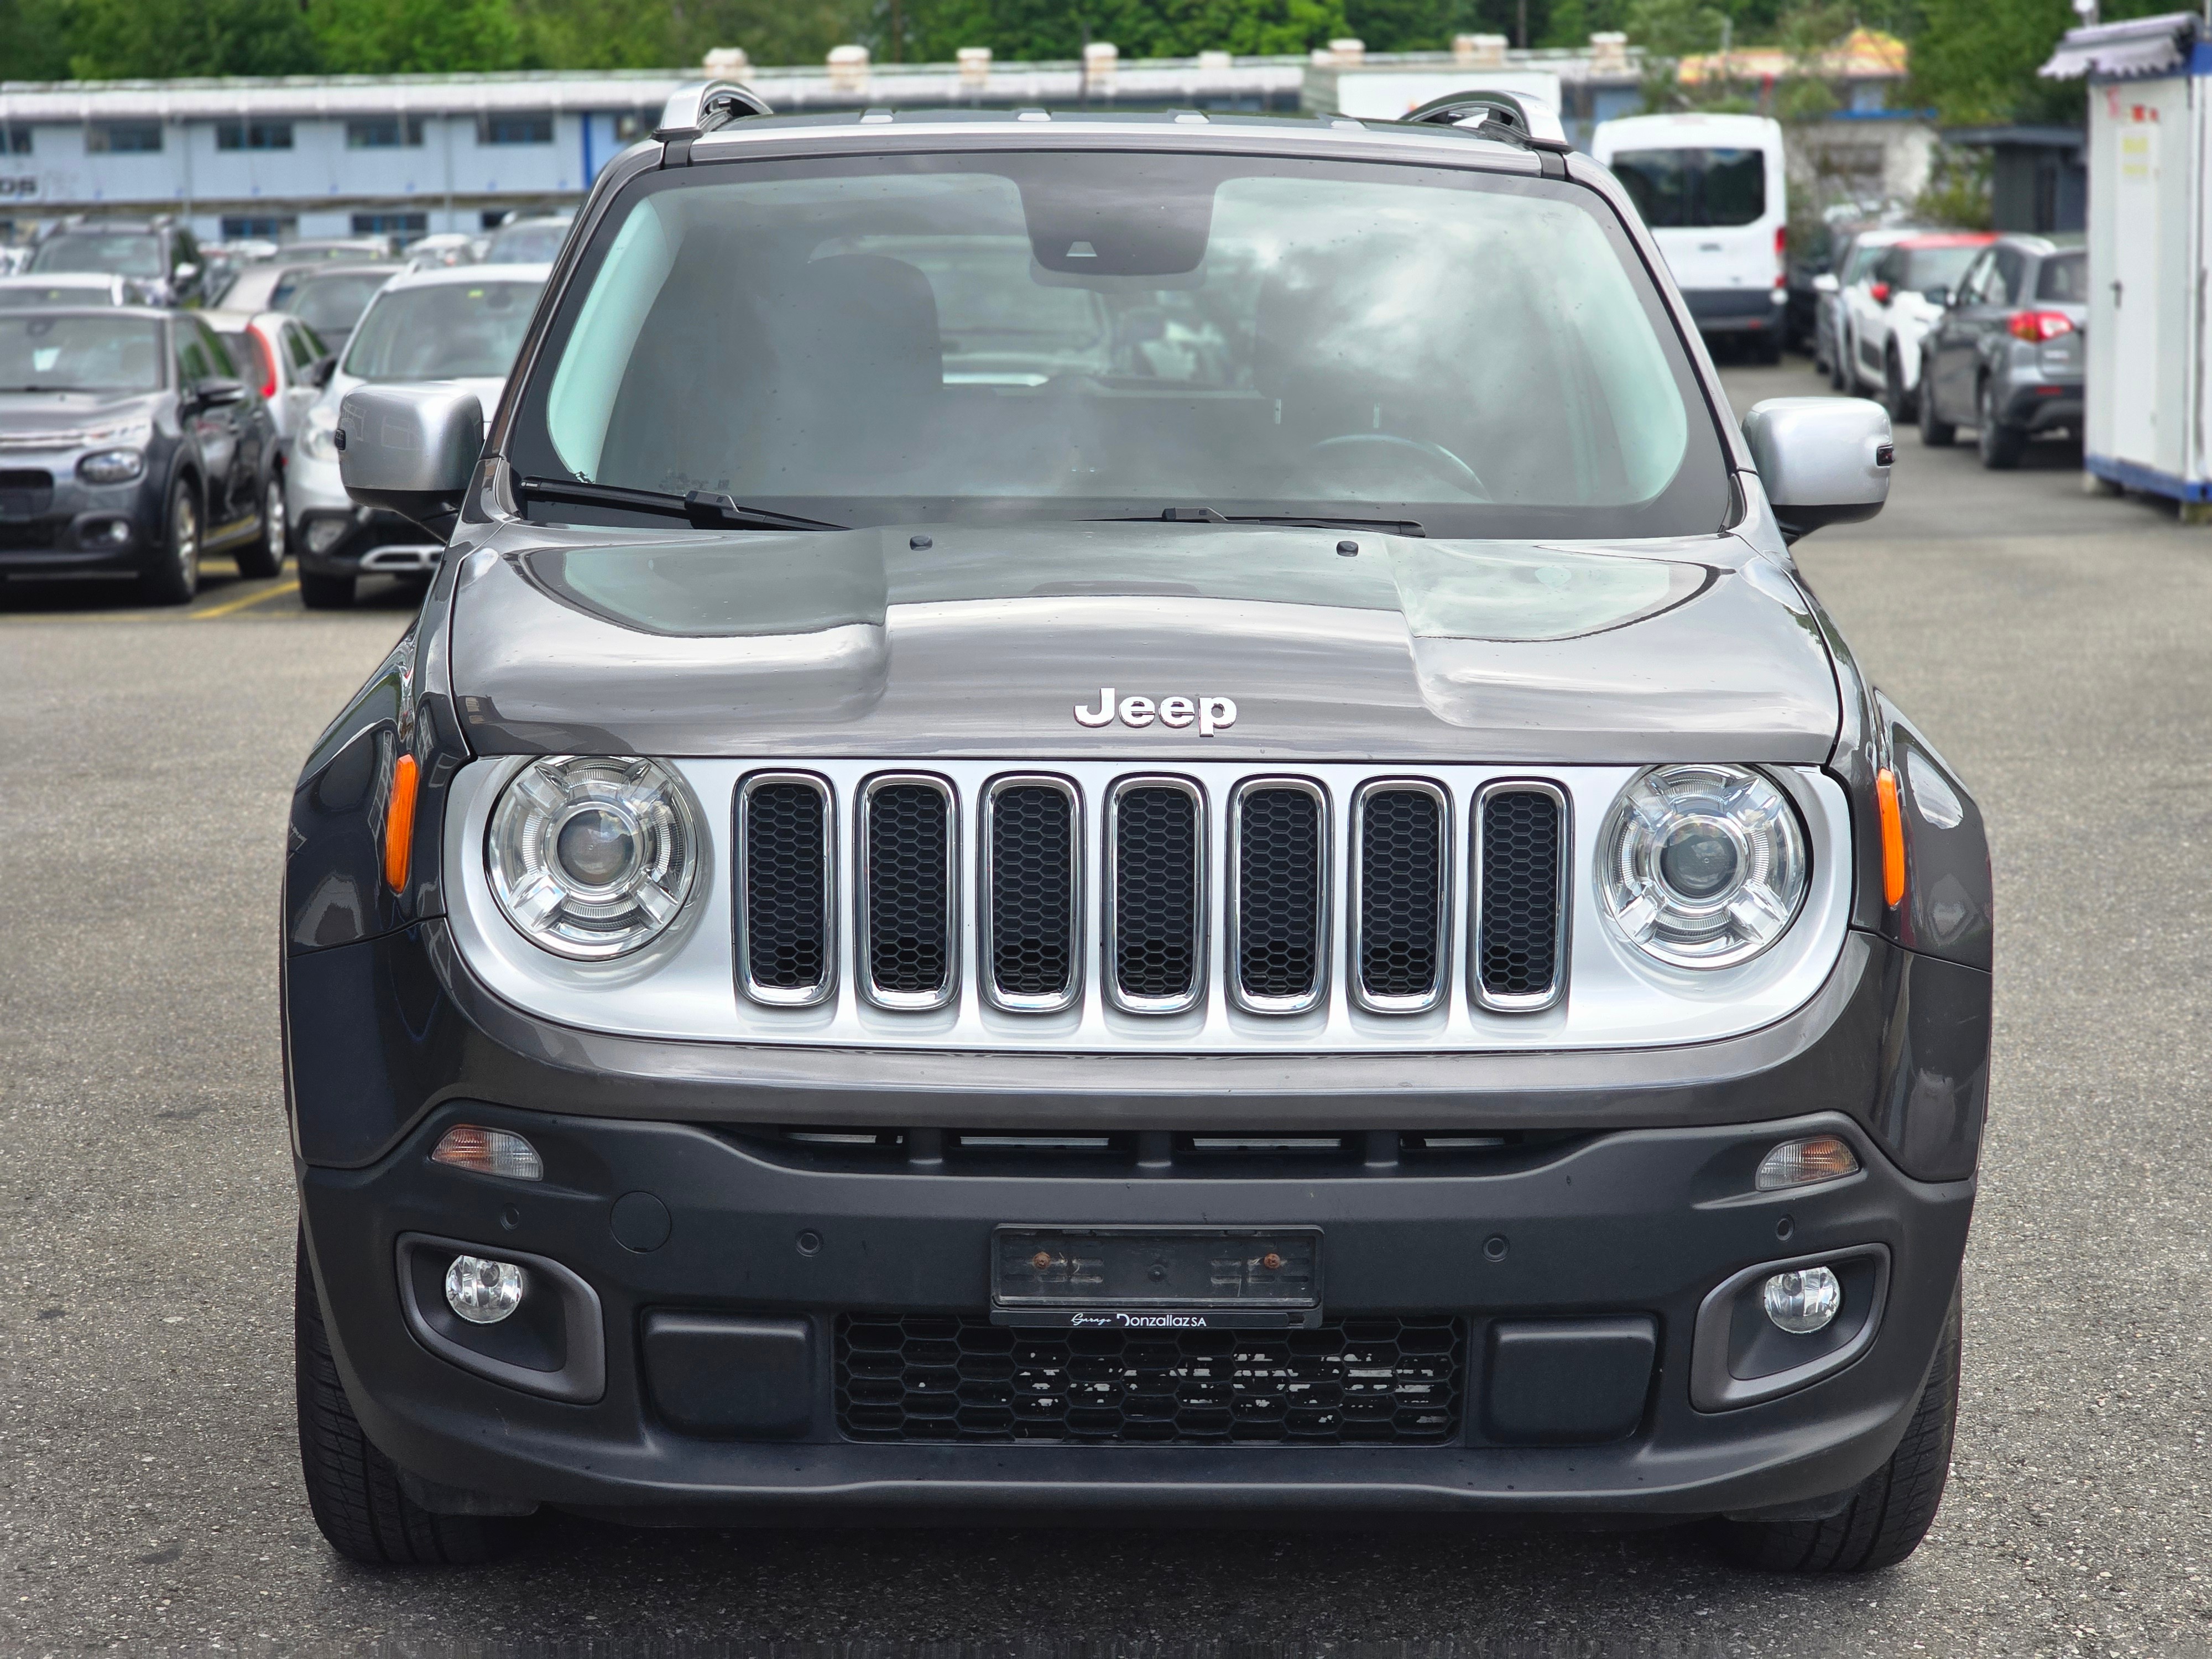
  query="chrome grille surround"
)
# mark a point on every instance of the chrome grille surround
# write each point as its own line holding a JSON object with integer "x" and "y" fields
{"x": 778, "y": 996}
{"x": 986, "y": 897}
{"x": 867, "y": 894}
{"x": 1118, "y": 901}
{"x": 1233, "y": 900}
{"x": 687, "y": 986}
{"x": 1355, "y": 900}
{"x": 1562, "y": 909}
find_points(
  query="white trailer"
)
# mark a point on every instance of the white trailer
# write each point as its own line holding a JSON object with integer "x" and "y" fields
{"x": 2148, "y": 418}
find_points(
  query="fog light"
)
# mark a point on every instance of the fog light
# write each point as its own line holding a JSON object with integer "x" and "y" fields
{"x": 489, "y": 1151}
{"x": 484, "y": 1292}
{"x": 1800, "y": 1303}
{"x": 1803, "y": 1163}
{"x": 324, "y": 534}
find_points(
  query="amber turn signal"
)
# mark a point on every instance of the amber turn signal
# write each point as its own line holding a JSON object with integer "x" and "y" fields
{"x": 1807, "y": 1163}
{"x": 488, "y": 1151}
{"x": 1892, "y": 838}
{"x": 400, "y": 823}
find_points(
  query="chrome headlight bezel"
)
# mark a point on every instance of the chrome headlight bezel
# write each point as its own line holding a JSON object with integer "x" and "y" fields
{"x": 622, "y": 799}
{"x": 1737, "y": 819}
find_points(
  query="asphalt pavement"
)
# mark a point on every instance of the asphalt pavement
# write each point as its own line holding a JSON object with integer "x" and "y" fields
{"x": 2052, "y": 643}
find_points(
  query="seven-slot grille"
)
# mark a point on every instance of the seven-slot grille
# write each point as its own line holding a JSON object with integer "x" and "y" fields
{"x": 1158, "y": 899}
{"x": 1387, "y": 1381}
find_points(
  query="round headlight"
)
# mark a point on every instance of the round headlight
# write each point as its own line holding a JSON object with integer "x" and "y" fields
{"x": 106, "y": 466}
{"x": 1702, "y": 866}
{"x": 590, "y": 855}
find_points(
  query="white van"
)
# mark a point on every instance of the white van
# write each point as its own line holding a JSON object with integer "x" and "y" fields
{"x": 1712, "y": 189}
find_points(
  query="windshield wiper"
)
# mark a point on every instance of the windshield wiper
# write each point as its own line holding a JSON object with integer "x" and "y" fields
{"x": 1296, "y": 520}
{"x": 698, "y": 508}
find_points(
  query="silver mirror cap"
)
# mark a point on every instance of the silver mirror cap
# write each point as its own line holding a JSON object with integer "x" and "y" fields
{"x": 1823, "y": 460}
{"x": 410, "y": 449}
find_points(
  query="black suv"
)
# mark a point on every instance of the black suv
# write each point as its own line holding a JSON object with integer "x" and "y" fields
{"x": 157, "y": 258}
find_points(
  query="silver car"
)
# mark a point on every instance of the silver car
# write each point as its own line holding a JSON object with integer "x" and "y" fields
{"x": 457, "y": 325}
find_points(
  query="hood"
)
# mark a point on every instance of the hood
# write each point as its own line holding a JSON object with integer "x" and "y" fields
{"x": 64, "y": 419}
{"x": 988, "y": 640}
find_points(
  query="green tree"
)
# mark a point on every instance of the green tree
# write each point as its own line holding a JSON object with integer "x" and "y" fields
{"x": 934, "y": 29}
{"x": 415, "y": 37}
{"x": 1976, "y": 60}
{"x": 125, "y": 40}
{"x": 33, "y": 41}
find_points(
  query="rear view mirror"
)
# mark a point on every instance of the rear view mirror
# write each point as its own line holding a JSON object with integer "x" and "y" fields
{"x": 1823, "y": 460}
{"x": 411, "y": 449}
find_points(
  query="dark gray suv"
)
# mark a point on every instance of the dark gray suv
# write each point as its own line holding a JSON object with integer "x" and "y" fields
{"x": 2006, "y": 357}
{"x": 1107, "y": 814}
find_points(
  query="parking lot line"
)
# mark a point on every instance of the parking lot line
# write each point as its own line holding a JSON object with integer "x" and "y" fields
{"x": 245, "y": 599}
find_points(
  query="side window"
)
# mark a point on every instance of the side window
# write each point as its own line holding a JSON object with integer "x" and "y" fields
{"x": 297, "y": 348}
{"x": 192, "y": 356}
{"x": 1973, "y": 287}
{"x": 2011, "y": 267}
{"x": 184, "y": 250}
{"x": 218, "y": 356}
{"x": 1890, "y": 268}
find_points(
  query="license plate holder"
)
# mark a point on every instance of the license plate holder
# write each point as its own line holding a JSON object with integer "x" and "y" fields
{"x": 1156, "y": 1278}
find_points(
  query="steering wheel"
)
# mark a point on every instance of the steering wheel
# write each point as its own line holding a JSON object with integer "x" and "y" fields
{"x": 1438, "y": 460}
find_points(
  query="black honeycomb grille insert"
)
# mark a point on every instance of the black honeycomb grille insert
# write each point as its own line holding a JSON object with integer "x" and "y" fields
{"x": 1387, "y": 1381}
{"x": 1278, "y": 892}
{"x": 1401, "y": 863}
{"x": 909, "y": 896}
{"x": 786, "y": 887}
{"x": 1032, "y": 856}
{"x": 1517, "y": 946}
{"x": 1156, "y": 899}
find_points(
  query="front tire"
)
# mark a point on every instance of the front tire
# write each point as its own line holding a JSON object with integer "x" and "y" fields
{"x": 1890, "y": 1510}
{"x": 354, "y": 1489}
{"x": 1935, "y": 431}
{"x": 2002, "y": 446}
{"x": 176, "y": 577}
{"x": 265, "y": 557}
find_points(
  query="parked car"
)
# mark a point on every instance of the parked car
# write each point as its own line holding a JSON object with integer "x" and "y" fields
{"x": 352, "y": 250}
{"x": 63, "y": 289}
{"x": 532, "y": 241}
{"x": 1890, "y": 313}
{"x": 253, "y": 287}
{"x": 157, "y": 258}
{"x": 330, "y": 299}
{"x": 445, "y": 247}
{"x": 1254, "y": 938}
{"x": 1715, "y": 193}
{"x": 279, "y": 355}
{"x": 128, "y": 443}
{"x": 1854, "y": 265}
{"x": 459, "y": 326}
{"x": 2006, "y": 356}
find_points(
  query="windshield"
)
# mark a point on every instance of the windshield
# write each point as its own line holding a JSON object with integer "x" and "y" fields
{"x": 80, "y": 354}
{"x": 532, "y": 244}
{"x": 1701, "y": 189}
{"x": 445, "y": 332}
{"x": 1101, "y": 335}
{"x": 330, "y": 303}
{"x": 125, "y": 253}
{"x": 29, "y": 296}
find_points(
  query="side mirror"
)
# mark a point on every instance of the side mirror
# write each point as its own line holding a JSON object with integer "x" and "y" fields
{"x": 1880, "y": 293}
{"x": 1939, "y": 296}
{"x": 319, "y": 371}
{"x": 186, "y": 270}
{"x": 411, "y": 449}
{"x": 1826, "y": 283}
{"x": 1823, "y": 460}
{"x": 216, "y": 392}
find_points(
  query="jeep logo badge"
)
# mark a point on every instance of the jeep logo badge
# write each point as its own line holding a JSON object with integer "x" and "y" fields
{"x": 1212, "y": 715}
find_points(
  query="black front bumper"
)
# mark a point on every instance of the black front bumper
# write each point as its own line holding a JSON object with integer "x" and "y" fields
{"x": 1629, "y": 1221}
{"x": 80, "y": 529}
{"x": 1736, "y": 310}
{"x": 369, "y": 542}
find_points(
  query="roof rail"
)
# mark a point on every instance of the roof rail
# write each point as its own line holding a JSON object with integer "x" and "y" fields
{"x": 694, "y": 110}
{"x": 1505, "y": 116}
